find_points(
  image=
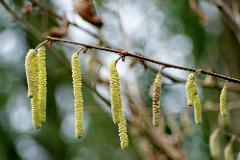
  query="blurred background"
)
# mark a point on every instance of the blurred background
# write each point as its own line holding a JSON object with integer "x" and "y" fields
{"x": 193, "y": 33}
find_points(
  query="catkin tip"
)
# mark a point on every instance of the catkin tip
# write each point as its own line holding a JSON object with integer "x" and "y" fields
{"x": 78, "y": 98}
{"x": 122, "y": 129}
{"x": 156, "y": 99}
{"x": 197, "y": 109}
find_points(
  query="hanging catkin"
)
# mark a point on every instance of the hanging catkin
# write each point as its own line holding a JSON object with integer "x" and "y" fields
{"x": 156, "y": 99}
{"x": 42, "y": 85}
{"x": 116, "y": 103}
{"x": 191, "y": 89}
{"x": 214, "y": 144}
{"x": 31, "y": 67}
{"x": 223, "y": 101}
{"x": 78, "y": 99}
{"x": 228, "y": 153}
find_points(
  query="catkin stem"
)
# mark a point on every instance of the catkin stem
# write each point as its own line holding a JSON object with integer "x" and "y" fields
{"x": 42, "y": 85}
{"x": 156, "y": 100}
{"x": 78, "y": 98}
{"x": 31, "y": 67}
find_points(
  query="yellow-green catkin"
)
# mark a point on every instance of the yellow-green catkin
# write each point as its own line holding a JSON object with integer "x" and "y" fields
{"x": 228, "y": 152}
{"x": 197, "y": 109}
{"x": 42, "y": 83}
{"x": 214, "y": 144}
{"x": 31, "y": 67}
{"x": 116, "y": 103}
{"x": 156, "y": 99}
{"x": 122, "y": 130}
{"x": 191, "y": 89}
{"x": 116, "y": 106}
{"x": 78, "y": 98}
{"x": 223, "y": 101}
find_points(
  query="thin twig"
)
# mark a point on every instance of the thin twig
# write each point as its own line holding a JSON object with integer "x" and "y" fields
{"x": 237, "y": 138}
{"x": 119, "y": 52}
{"x": 44, "y": 7}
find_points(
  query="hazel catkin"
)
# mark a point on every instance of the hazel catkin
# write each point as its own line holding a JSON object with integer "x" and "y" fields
{"x": 223, "y": 101}
{"x": 214, "y": 144}
{"x": 116, "y": 103}
{"x": 78, "y": 98}
{"x": 31, "y": 67}
{"x": 228, "y": 151}
{"x": 156, "y": 99}
{"x": 191, "y": 89}
{"x": 42, "y": 85}
{"x": 116, "y": 106}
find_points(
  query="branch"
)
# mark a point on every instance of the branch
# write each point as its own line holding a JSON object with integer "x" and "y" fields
{"x": 166, "y": 65}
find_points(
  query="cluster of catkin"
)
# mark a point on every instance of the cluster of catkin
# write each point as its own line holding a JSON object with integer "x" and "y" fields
{"x": 35, "y": 67}
{"x": 215, "y": 146}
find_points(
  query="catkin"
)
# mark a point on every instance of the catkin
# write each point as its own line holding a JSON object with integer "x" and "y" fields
{"x": 223, "y": 101}
{"x": 214, "y": 144}
{"x": 122, "y": 130}
{"x": 42, "y": 85}
{"x": 78, "y": 98}
{"x": 116, "y": 103}
{"x": 228, "y": 153}
{"x": 191, "y": 89}
{"x": 31, "y": 67}
{"x": 197, "y": 109}
{"x": 156, "y": 100}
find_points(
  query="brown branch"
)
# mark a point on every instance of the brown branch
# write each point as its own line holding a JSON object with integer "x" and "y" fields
{"x": 126, "y": 53}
